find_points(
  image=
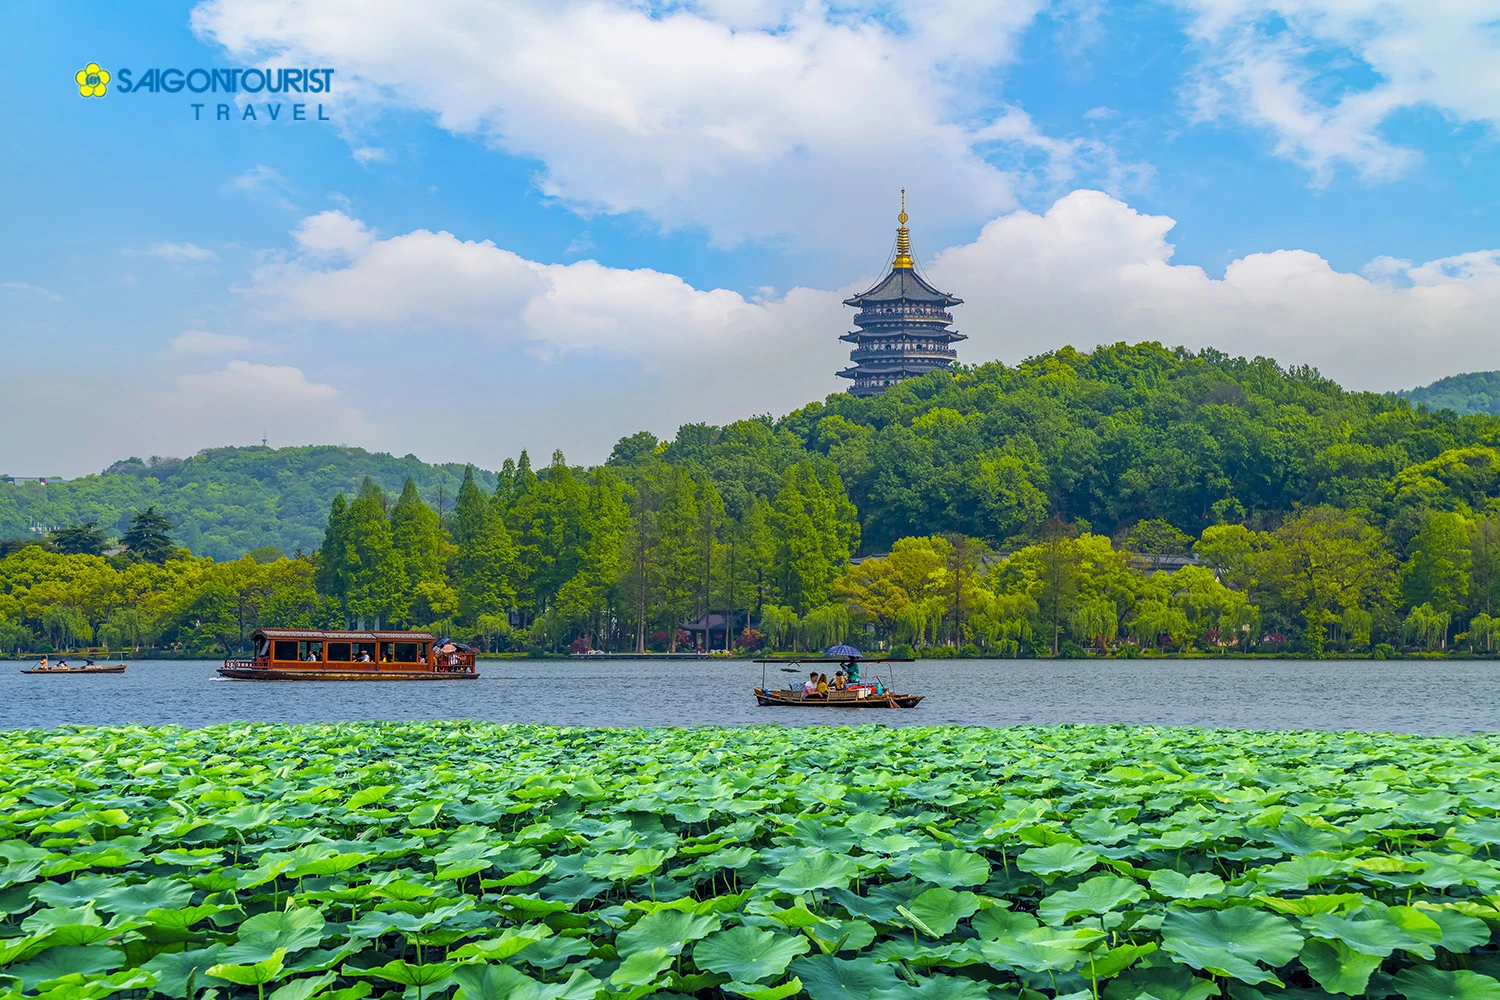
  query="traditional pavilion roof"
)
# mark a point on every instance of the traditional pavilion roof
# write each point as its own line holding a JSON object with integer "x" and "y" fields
{"x": 903, "y": 284}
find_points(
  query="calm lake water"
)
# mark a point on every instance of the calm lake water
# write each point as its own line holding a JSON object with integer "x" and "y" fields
{"x": 1410, "y": 697}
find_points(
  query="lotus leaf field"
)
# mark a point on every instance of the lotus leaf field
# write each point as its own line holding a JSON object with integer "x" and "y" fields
{"x": 483, "y": 862}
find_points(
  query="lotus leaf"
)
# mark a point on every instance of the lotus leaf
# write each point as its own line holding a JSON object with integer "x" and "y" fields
{"x": 950, "y": 868}
{"x": 827, "y": 978}
{"x": 748, "y": 954}
{"x": 1426, "y": 982}
{"x": 1175, "y": 885}
{"x": 938, "y": 911}
{"x": 1097, "y": 895}
{"x": 1230, "y": 942}
{"x": 1337, "y": 967}
{"x": 1057, "y": 859}
{"x": 669, "y": 929}
{"x": 641, "y": 968}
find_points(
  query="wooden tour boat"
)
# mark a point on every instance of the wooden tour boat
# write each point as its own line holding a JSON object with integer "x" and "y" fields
{"x": 311, "y": 655}
{"x": 856, "y": 695}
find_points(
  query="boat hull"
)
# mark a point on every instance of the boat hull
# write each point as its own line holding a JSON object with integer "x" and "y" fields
{"x": 277, "y": 674}
{"x": 789, "y": 699}
{"x": 78, "y": 670}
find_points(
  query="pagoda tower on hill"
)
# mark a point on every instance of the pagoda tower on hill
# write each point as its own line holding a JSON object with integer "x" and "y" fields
{"x": 903, "y": 325}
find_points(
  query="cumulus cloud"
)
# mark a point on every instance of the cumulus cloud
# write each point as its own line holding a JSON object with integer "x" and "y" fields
{"x": 748, "y": 118}
{"x": 178, "y": 253}
{"x": 1090, "y": 270}
{"x": 1284, "y": 65}
{"x": 207, "y": 342}
{"x": 244, "y": 400}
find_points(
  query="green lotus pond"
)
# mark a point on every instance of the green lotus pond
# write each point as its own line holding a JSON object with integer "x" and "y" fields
{"x": 483, "y": 862}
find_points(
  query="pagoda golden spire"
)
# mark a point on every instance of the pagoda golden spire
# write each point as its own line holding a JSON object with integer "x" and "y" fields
{"x": 903, "y": 237}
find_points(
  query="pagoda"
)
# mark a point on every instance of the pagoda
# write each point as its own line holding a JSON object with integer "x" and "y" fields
{"x": 903, "y": 325}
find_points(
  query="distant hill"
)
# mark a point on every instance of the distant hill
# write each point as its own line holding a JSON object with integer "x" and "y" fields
{"x": 224, "y": 501}
{"x": 1472, "y": 392}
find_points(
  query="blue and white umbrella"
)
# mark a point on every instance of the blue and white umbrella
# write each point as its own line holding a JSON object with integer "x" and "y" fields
{"x": 842, "y": 651}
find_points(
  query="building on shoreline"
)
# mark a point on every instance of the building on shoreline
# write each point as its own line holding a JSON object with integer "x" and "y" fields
{"x": 903, "y": 325}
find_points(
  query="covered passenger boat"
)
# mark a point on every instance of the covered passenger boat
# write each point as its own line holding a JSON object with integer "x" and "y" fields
{"x": 855, "y": 693}
{"x": 311, "y": 655}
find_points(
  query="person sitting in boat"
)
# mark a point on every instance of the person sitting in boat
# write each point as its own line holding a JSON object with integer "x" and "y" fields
{"x": 62, "y": 664}
{"x": 823, "y": 685}
{"x": 810, "y": 687}
{"x": 364, "y": 656}
{"x": 43, "y": 664}
{"x": 840, "y": 679}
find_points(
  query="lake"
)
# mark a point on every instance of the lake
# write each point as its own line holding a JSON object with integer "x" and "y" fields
{"x": 1437, "y": 697}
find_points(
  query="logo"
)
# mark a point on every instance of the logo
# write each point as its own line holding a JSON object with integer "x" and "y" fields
{"x": 92, "y": 81}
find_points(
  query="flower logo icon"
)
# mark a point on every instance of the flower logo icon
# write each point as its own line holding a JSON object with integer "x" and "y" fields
{"x": 92, "y": 81}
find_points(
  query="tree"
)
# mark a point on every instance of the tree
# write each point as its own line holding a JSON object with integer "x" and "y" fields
{"x": 148, "y": 539}
{"x": 1484, "y": 563}
{"x": 332, "y": 576}
{"x": 1158, "y": 539}
{"x": 1437, "y": 572}
{"x": 417, "y": 538}
{"x": 81, "y": 539}
{"x": 378, "y": 588}
{"x": 1321, "y": 562}
{"x": 484, "y": 557}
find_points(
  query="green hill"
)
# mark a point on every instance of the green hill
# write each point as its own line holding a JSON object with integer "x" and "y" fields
{"x": 224, "y": 502}
{"x": 1471, "y": 392}
{"x": 1104, "y": 440}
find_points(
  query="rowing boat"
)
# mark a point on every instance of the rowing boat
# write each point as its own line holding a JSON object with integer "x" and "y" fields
{"x": 117, "y": 669}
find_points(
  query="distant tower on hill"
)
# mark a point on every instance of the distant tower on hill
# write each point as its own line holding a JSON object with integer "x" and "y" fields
{"x": 903, "y": 325}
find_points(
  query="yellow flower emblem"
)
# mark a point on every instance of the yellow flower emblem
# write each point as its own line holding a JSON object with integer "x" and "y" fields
{"x": 92, "y": 81}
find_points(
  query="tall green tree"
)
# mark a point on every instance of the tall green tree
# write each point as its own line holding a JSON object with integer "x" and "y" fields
{"x": 84, "y": 539}
{"x": 418, "y": 538}
{"x": 1437, "y": 570}
{"x": 378, "y": 587}
{"x": 148, "y": 538}
{"x": 484, "y": 559}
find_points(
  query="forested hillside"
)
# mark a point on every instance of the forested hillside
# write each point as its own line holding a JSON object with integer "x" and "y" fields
{"x": 223, "y": 502}
{"x": 1040, "y": 509}
{"x": 1472, "y": 392}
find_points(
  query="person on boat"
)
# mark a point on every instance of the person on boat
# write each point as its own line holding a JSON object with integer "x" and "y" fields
{"x": 840, "y": 679}
{"x": 823, "y": 685}
{"x": 364, "y": 656}
{"x": 88, "y": 661}
{"x": 63, "y": 664}
{"x": 43, "y": 664}
{"x": 810, "y": 687}
{"x": 853, "y": 671}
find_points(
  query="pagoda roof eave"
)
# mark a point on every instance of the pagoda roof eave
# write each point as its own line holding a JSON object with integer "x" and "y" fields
{"x": 903, "y": 284}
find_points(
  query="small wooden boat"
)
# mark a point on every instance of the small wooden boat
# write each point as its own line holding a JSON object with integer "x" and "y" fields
{"x": 313, "y": 655}
{"x": 118, "y": 668}
{"x": 859, "y": 698}
{"x": 854, "y": 696}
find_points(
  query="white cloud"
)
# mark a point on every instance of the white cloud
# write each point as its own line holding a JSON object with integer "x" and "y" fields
{"x": 369, "y": 154}
{"x": 748, "y": 118}
{"x": 244, "y": 400}
{"x": 179, "y": 253}
{"x": 26, "y": 286}
{"x": 1090, "y": 270}
{"x": 262, "y": 183}
{"x": 206, "y": 342}
{"x": 1285, "y": 65}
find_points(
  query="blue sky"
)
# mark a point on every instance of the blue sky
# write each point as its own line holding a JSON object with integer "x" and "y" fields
{"x": 549, "y": 225}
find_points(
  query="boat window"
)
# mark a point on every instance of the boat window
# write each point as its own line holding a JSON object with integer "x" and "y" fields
{"x": 386, "y": 656}
{"x": 286, "y": 649}
{"x": 406, "y": 652}
{"x": 340, "y": 652}
{"x": 310, "y": 651}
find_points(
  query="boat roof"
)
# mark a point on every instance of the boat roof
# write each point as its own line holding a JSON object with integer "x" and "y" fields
{"x": 307, "y": 633}
{"x": 839, "y": 659}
